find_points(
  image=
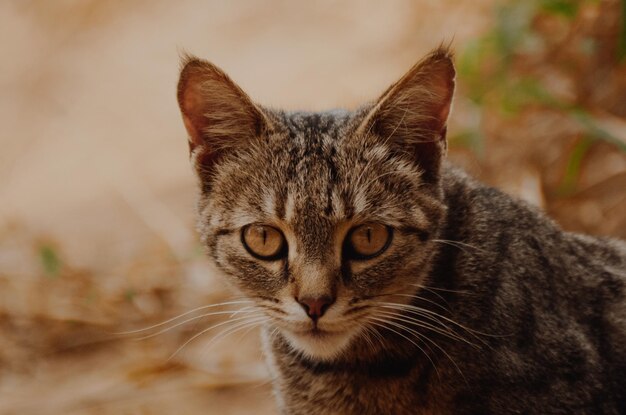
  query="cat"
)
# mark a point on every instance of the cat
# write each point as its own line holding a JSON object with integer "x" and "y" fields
{"x": 389, "y": 281}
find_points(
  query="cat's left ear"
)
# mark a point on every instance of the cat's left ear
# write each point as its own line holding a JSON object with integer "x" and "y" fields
{"x": 412, "y": 114}
{"x": 217, "y": 113}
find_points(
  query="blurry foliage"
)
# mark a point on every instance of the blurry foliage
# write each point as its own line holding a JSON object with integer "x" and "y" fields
{"x": 566, "y": 8}
{"x": 574, "y": 165}
{"x": 502, "y": 71}
{"x": 130, "y": 294}
{"x": 50, "y": 260}
{"x": 470, "y": 138}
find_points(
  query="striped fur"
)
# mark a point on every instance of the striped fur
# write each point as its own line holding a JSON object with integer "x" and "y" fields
{"x": 480, "y": 305}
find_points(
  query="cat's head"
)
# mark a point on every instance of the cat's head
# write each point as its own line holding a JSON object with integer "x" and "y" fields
{"x": 320, "y": 217}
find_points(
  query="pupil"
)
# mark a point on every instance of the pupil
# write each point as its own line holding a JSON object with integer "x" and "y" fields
{"x": 264, "y": 232}
{"x": 369, "y": 235}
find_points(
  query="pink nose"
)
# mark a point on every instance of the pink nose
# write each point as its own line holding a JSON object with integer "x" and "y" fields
{"x": 315, "y": 307}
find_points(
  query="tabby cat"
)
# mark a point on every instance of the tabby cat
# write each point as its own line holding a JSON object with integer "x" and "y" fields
{"x": 390, "y": 281}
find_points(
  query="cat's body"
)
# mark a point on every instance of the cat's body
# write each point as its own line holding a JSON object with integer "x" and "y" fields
{"x": 551, "y": 306}
{"x": 389, "y": 282}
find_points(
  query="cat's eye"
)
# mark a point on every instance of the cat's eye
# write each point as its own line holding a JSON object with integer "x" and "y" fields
{"x": 367, "y": 241}
{"x": 264, "y": 242}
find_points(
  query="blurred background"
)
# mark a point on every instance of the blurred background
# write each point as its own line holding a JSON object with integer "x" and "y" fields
{"x": 97, "y": 197}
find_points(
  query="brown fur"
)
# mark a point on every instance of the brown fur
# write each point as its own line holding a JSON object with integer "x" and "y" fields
{"x": 480, "y": 304}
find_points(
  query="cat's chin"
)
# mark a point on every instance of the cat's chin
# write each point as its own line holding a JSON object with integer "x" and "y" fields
{"x": 319, "y": 344}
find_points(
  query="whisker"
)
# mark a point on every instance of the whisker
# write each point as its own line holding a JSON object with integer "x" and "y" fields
{"x": 448, "y": 333}
{"x": 424, "y": 337}
{"x": 273, "y": 333}
{"x": 441, "y": 289}
{"x": 435, "y": 318}
{"x": 424, "y": 312}
{"x": 419, "y": 298}
{"x": 476, "y": 334}
{"x": 237, "y": 327}
{"x": 356, "y": 309}
{"x": 247, "y": 331}
{"x": 459, "y": 244}
{"x": 402, "y": 327}
{"x": 206, "y": 331}
{"x": 430, "y": 290}
{"x": 384, "y": 326}
{"x": 380, "y": 337}
{"x": 418, "y": 323}
{"x": 216, "y": 313}
{"x": 367, "y": 337}
{"x": 274, "y": 309}
{"x": 434, "y": 290}
{"x": 182, "y": 315}
{"x": 241, "y": 310}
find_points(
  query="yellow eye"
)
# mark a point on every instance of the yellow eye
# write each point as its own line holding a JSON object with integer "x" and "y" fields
{"x": 264, "y": 242}
{"x": 368, "y": 240}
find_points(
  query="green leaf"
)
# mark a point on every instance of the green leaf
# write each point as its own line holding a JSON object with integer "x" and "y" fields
{"x": 522, "y": 92}
{"x": 566, "y": 8}
{"x": 470, "y": 139}
{"x": 129, "y": 294}
{"x": 574, "y": 164}
{"x": 50, "y": 261}
{"x": 593, "y": 129}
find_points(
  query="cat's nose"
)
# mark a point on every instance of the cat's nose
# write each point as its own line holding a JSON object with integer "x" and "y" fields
{"x": 315, "y": 307}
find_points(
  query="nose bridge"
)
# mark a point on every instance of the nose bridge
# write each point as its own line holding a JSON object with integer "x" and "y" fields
{"x": 315, "y": 279}
{"x": 315, "y": 236}
{"x": 314, "y": 263}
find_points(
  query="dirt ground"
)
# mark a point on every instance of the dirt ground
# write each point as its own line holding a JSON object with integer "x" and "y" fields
{"x": 97, "y": 197}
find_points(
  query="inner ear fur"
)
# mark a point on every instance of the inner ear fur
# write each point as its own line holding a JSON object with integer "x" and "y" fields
{"x": 411, "y": 115}
{"x": 216, "y": 112}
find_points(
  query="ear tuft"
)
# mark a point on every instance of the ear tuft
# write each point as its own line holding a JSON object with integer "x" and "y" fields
{"x": 412, "y": 114}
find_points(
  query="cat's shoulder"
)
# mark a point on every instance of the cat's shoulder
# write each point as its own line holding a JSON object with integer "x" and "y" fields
{"x": 485, "y": 214}
{"x": 480, "y": 203}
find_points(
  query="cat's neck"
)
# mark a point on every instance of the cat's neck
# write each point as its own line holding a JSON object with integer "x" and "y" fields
{"x": 386, "y": 355}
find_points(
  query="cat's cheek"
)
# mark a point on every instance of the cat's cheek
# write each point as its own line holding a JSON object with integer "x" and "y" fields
{"x": 369, "y": 278}
{"x": 249, "y": 274}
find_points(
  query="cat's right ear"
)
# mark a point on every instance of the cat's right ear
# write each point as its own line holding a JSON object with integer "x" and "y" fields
{"x": 216, "y": 112}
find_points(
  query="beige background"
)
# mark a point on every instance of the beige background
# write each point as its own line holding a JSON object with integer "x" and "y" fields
{"x": 93, "y": 167}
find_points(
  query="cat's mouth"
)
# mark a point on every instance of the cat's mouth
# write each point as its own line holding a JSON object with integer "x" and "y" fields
{"x": 319, "y": 343}
{"x": 317, "y": 333}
